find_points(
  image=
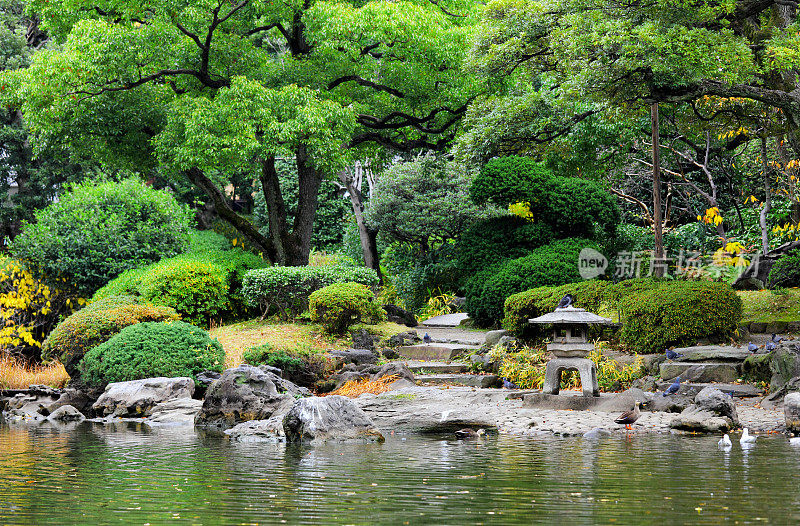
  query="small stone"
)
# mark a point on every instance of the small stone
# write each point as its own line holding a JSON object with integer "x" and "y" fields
{"x": 66, "y": 413}
{"x": 791, "y": 412}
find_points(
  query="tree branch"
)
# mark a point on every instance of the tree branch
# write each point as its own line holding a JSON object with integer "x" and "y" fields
{"x": 367, "y": 83}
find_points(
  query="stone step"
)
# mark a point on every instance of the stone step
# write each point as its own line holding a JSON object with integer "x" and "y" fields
{"x": 434, "y": 351}
{"x": 469, "y": 380}
{"x": 738, "y": 390}
{"x": 701, "y": 372}
{"x": 445, "y": 320}
{"x": 418, "y": 367}
{"x": 713, "y": 353}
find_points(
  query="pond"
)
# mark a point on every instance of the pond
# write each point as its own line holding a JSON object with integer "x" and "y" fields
{"x": 96, "y": 474}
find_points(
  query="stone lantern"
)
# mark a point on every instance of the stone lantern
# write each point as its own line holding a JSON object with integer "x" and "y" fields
{"x": 569, "y": 342}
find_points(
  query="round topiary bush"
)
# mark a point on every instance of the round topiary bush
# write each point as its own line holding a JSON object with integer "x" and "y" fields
{"x": 96, "y": 323}
{"x": 340, "y": 305}
{"x": 785, "y": 272}
{"x": 149, "y": 350}
{"x": 98, "y": 230}
{"x": 676, "y": 313}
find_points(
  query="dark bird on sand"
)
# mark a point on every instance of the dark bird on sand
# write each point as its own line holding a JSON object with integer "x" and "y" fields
{"x": 629, "y": 417}
{"x": 671, "y": 355}
{"x": 427, "y": 338}
{"x": 565, "y": 302}
{"x": 508, "y": 384}
{"x": 770, "y": 346}
{"x": 752, "y": 347}
{"x": 776, "y": 338}
{"x": 469, "y": 433}
{"x": 672, "y": 389}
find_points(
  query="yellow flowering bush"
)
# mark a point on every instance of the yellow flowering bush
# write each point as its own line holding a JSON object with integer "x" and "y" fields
{"x": 29, "y": 309}
{"x": 521, "y": 209}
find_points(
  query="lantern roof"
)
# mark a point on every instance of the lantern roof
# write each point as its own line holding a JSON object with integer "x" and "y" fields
{"x": 571, "y": 315}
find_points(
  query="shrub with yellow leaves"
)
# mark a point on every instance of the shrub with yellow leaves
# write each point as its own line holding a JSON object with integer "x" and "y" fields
{"x": 521, "y": 209}
{"x": 29, "y": 309}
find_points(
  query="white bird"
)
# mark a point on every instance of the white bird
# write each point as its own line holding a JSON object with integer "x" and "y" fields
{"x": 725, "y": 442}
{"x": 747, "y": 438}
{"x": 795, "y": 441}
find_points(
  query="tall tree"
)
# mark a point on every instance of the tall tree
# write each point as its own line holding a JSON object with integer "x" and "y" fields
{"x": 201, "y": 88}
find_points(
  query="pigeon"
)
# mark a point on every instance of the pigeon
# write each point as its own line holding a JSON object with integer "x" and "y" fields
{"x": 752, "y": 347}
{"x": 508, "y": 384}
{"x": 427, "y": 338}
{"x": 469, "y": 433}
{"x": 747, "y": 438}
{"x": 770, "y": 346}
{"x": 672, "y": 389}
{"x": 629, "y": 417}
{"x": 725, "y": 442}
{"x": 671, "y": 355}
{"x": 565, "y": 302}
{"x": 776, "y": 338}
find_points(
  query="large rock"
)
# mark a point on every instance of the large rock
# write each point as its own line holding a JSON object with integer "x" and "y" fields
{"x": 204, "y": 381}
{"x": 270, "y": 430}
{"x": 756, "y": 368}
{"x": 791, "y": 411}
{"x": 713, "y": 353}
{"x": 136, "y": 398}
{"x": 755, "y": 276}
{"x": 80, "y": 399}
{"x": 785, "y": 364}
{"x": 362, "y": 339}
{"x": 712, "y": 412}
{"x": 404, "y": 338}
{"x": 356, "y": 356}
{"x": 722, "y": 372}
{"x": 399, "y": 315}
{"x": 181, "y": 411}
{"x": 31, "y": 403}
{"x": 66, "y": 413}
{"x": 353, "y": 372}
{"x": 241, "y": 394}
{"x": 493, "y": 338}
{"x": 332, "y": 418}
{"x": 776, "y": 397}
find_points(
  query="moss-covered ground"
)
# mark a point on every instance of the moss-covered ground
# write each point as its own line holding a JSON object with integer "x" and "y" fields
{"x": 771, "y": 305}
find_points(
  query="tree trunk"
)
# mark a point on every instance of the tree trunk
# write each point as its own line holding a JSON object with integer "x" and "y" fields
{"x": 309, "y": 180}
{"x": 367, "y": 235}
{"x": 276, "y": 208}
{"x": 658, "y": 255}
{"x": 762, "y": 217}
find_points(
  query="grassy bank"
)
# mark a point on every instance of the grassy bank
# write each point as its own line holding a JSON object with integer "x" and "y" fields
{"x": 771, "y": 305}
{"x": 15, "y": 374}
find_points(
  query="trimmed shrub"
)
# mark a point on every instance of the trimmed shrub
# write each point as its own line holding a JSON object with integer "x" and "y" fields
{"x": 676, "y": 313}
{"x": 96, "y": 323}
{"x": 785, "y": 272}
{"x": 288, "y": 288}
{"x": 148, "y": 350}
{"x": 507, "y": 180}
{"x": 498, "y": 239}
{"x": 200, "y": 286}
{"x": 553, "y": 264}
{"x": 300, "y": 366}
{"x": 341, "y": 305}
{"x": 98, "y": 230}
{"x": 520, "y": 307}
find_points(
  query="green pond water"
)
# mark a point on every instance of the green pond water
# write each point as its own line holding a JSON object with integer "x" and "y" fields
{"x": 96, "y": 474}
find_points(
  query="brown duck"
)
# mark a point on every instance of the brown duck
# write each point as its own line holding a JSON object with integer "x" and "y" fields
{"x": 629, "y": 417}
{"x": 468, "y": 433}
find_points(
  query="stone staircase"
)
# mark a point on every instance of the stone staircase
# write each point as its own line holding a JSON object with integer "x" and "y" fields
{"x": 706, "y": 364}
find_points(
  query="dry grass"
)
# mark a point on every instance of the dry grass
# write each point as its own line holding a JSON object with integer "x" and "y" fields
{"x": 239, "y": 337}
{"x": 15, "y": 374}
{"x": 355, "y": 388}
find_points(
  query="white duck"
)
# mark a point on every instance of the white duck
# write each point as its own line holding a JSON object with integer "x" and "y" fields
{"x": 747, "y": 438}
{"x": 795, "y": 441}
{"x": 725, "y": 442}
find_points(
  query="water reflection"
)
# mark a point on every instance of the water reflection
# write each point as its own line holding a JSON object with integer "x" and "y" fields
{"x": 101, "y": 474}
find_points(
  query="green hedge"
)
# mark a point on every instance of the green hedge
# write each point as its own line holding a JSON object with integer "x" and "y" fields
{"x": 338, "y": 306}
{"x": 288, "y": 288}
{"x": 149, "y": 350}
{"x": 551, "y": 265}
{"x": 300, "y": 366}
{"x": 96, "y": 323}
{"x": 679, "y": 312}
{"x": 201, "y": 286}
{"x": 785, "y": 272}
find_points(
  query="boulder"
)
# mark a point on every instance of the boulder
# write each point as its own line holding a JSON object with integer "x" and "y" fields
{"x": 399, "y": 315}
{"x": 332, "y": 418}
{"x": 785, "y": 364}
{"x": 390, "y": 354}
{"x": 204, "y": 381}
{"x": 646, "y": 383}
{"x": 712, "y": 412}
{"x": 756, "y": 367}
{"x": 791, "y": 411}
{"x": 30, "y": 403}
{"x": 404, "y": 338}
{"x": 284, "y": 385}
{"x": 66, "y": 413}
{"x": 703, "y": 372}
{"x": 669, "y": 404}
{"x": 356, "y": 356}
{"x": 80, "y": 399}
{"x": 181, "y": 411}
{"x": 776, "y": 397}
{"x": 241, "y": 394}
{"x": 493, "y": 338}
{"x": 652, "y": 362}
{"x": 363, "y": 339}
{"x": 136, "y": 398}
{"x": 399, "y": 369}
{"x": 270, "y": 430}
{"x": 713, "y": 353}
{"x": 758, "y": 327}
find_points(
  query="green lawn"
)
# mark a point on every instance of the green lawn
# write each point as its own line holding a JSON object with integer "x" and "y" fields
{"x": 769, "y": 305}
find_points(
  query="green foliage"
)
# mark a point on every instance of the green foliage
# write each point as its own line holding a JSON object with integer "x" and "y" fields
{"x": 201, "y": 286}
{"x": 300, "y": 366}
{"x": 96, "y": 323}
{"x": 678, "y": 312}
{"x": 553, "y": 264}
{"x": 498, "y": 239}
{"x": 149, "y": 350}
{"x": 207, "y": 241}
{"x": 99, "y": 229}
{"x": 414, "y": 275}
{"x": 520, "y": 307}
{"x": 424, "y": 202}
{"x": 571, "y": 206}
{"x": 785, "y": 272}
{"x": 338, "y": 306}
{"x": 288, "y": 288}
